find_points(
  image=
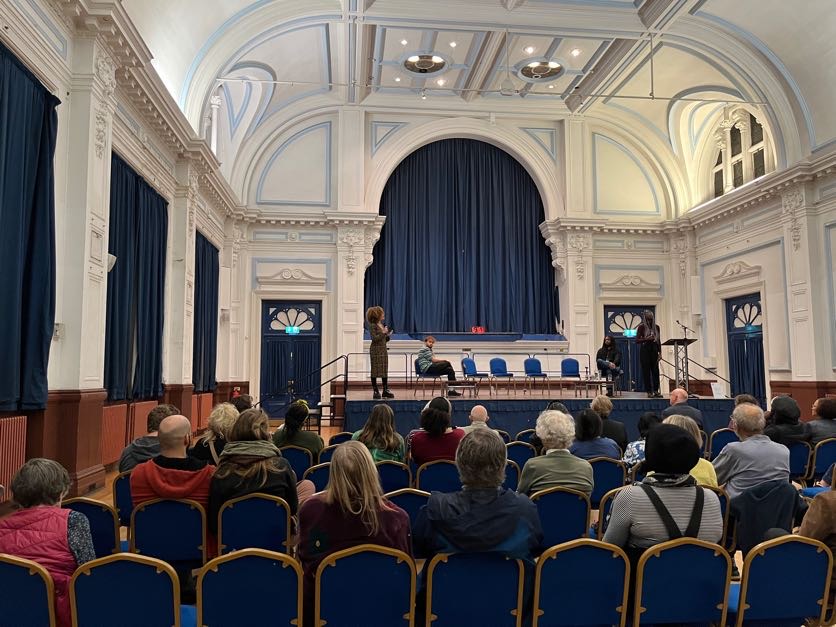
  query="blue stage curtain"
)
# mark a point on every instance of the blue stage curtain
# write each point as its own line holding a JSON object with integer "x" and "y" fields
{"x": 205, "y": 339}
{"x": 138, "y": 235}
{"x": 461, "y": 246}
{"x": 28, "y": 128}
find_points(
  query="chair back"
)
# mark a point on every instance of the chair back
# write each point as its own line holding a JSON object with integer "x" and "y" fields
{"x": 226, "y": 581}
{"x": 532, "y": 367}
{"x": 469, "y": 367}
{"x": 520, "y": 452}
{"x": 104, "y": 523}
{"x": 300, "y": 459}
{"x": 583, "y": 582}
{"x": 327, "y": 453}
{"x": 806, "y": 564}
{"x": 800, "y": 455}
{"x": 607, "y": 474}
{"x": 723, "y": 497}
{"x": 418, "y": 372}
{"x": 702, "y": 588}
{"x": 512, "y": 475}
{"x": 570, "y": 367}
{"x": 438, "y": 476}
{"x": 524, "y": 436}
{"x": 339, "y": 438}
{"x": 409, "y": 500}
{"x": 718, "y": 440}
{"x": 499, "y": 367}
{"x": 638, "y": 472}
{"x": 26, "y": 593}
{"x": 823, "y": 456}
{"x": 122, "y": 499}
{"x": 318, "y": 475}
{"x": 345, "y": 576}
{"x": 394, "y": 475}
{"x": 499, "y": 580}
{"x": 564, "y": 514}
{"x": 604, "y": 509}
{"x": 103, "y": 592}
{"x": 170, "y": 530}
{"x": 254, "y": 521}
{"x": 506, "y": 437}
{"x": 704, "y": 442}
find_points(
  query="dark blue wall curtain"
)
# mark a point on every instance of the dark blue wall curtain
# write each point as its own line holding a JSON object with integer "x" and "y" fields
{"x": 138, "y": 235}
{"x": 205, "y": 339}
{"x": 28, "y": 128}
{"x": 461, "y": 245}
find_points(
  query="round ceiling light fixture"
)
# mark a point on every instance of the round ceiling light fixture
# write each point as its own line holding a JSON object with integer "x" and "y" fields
{"x": 425, "y": 63}
{"x": 540, "y": 70}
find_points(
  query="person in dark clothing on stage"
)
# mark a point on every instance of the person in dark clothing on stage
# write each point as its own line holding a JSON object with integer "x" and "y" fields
{"x": 608, "y": 359}
{"x": 378, "y": 352}
{"x": 648, "y": 337}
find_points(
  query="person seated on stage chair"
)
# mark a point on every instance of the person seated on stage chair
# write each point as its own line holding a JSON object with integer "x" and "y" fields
{"x": 679, "y": 405}
{"x": 608, "y": 359}
{"x": 558, "y": 467}
{"x": 785, "y": 426}
{"x": 292, "y": 434}
{"x": 634, "y": 453}
{"x": 613, "y": 429}
{"x": 823, "y": 424}
{"x": 703, "y": 472}
{"x": 380, "y": 437}
{"x": 588, "y": 441}
{"x": 436, "y": 439}
{"x": 144, "y": 448}
{"x": 478, "y": 419}
{"x": 242, "y": 402}
{"x": 755, "y": 459}
{"x": 428, "y": 363}
{"x": 211, "y": 444}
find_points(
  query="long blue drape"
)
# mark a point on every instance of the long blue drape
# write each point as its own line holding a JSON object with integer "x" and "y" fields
{"x": 28, "y": 129}
{"x": 138, "y": 234}
{"x": 205, "y": 339}
{"x": 461, "y": 246}
{"x": 746, "y": 366}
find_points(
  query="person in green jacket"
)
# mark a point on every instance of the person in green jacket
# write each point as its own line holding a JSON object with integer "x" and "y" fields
{"x": 380, "y": 437}
{"x": 291, "y": 433}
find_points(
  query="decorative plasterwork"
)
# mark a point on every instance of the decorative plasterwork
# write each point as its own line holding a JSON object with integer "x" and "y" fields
{"x": 629, "y": 283}
{"x": 680, "y": 246}
{"x": 579, "y": 242}
{"x": 792, "y": 201}
{"x": 101, "y": 124}
{"x": 736, "y": 271}
{"x": 353, "y": 239}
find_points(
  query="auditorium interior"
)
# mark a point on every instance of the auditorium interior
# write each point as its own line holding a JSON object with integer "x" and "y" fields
{"x": 201, "y": 199}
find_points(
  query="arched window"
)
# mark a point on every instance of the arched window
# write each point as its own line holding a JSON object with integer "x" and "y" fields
{"x": 743, "y": 153}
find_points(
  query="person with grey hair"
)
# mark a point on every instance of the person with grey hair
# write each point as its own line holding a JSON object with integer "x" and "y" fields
{"x": 558, "y": 467}
{"x": 41, "y": 531}
{"x": 478, "y": 418}
{"x": 755, "y": 459}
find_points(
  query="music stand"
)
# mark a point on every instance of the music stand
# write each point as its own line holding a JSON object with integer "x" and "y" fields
{"x": 680, "y": 360}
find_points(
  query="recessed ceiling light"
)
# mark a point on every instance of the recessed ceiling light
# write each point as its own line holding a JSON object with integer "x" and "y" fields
{"x": 529, "y": 49}
{"x": 437, "y": 59}
{"x": 452, "y": 44}
{"x": 397, "y": 79}
{"x": 554, "y": 64}
{"x": 404, "y": 42}
{"x": 534, "y": 64}
{"x": 551, "y": 86}
{"x": 440, "y": 82}
{"x": 413, "y": 59}
{"x": 576, "y": 52}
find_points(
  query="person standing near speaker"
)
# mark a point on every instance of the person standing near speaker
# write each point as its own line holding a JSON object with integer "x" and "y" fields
{"x": 378, "y": 352}
{"x": 648, "y": 338}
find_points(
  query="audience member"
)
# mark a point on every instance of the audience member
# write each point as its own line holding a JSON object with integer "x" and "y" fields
{"x": 351, "y": 511}
{"x": 819, "y": 523}
{"x": 172, "y": 474}
{"x": 478, "y": 418}
{"x": 823, "y": 424}
{"x": 703, "y": 472}
{"x": 668, "y": 503}
{"x": 211, "y": 444}
{"x": 679, "y": 405}
{"x": 588, "y": 441}
{"x": 635, "y": 449}
{"x": 380, "y": 437}
{"x": 558, "y": 467}
{"x": 41, "y": 531}
{"x": 144, "y": 448}
{"x": 533, "y": 439}
{"x": 753, "y": 460}
{"x": 292, "y": 434}
{"x": 784, "y": 426}
{"x": 436, "y": 439}
{"x": 612, "y": 429}
{"x": 242, "y": 402}
{"x": 745, "y": 398}
{"x": 251, "y": 463}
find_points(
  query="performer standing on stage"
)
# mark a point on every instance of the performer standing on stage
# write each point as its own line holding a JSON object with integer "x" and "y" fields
{"x": 648, "y": 337}
{"x": 378, "y": 352}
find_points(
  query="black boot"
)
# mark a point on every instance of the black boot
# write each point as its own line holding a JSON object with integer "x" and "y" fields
{"x": 386, "y": 392}
{"x": 376, "y": 395}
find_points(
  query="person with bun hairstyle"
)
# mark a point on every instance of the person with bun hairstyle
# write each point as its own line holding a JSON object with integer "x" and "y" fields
{"x": 378, "y": 352}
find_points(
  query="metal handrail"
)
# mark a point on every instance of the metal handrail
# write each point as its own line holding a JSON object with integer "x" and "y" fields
{"x": 709, "y": 370}
{"x": 295, "y": 395}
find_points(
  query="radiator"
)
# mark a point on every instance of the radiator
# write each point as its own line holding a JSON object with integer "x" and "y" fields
{"x": 12, "y": 450}
{"x": 140, "y": 411}
{"x": 205, "y": 409}
{"x": 114, "y": 432}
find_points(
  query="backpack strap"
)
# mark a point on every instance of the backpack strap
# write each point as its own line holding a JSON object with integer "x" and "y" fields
{"x": 693, "y": 529}
{"x": 214, "y": 452}
{"x": 670, "y": 524}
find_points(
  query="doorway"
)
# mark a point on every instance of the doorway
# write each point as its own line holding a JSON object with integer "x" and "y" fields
{"x": 744, "y": 329}
{"x": 617, "y": 320}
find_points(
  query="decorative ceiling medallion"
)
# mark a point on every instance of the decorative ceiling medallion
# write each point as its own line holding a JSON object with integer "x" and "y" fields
{"x": 540, "y": 70}
{"x": 429, "y": 63}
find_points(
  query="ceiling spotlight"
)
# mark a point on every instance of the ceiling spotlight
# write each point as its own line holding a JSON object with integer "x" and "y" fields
{"x": 423, "y": 94}
{"x": 397, "y": 79}
{"x": 404, "y": 42}
{"x": 529, "y": 49}
{"x": 576, "y": 52}
{"x": 452, "y": 44}
{"x": 414, "y": 58}
{"x": 440, "y": 82}
{"x": 534, "y": 64}
{"x": 437, "y": 59}
{"x": 554, "y": 64}
{"x": 551, "y": 86}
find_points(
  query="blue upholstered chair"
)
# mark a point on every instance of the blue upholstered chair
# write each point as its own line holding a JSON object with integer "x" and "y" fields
{"x": 512, "y": 475}
{"x": 564, "y": 514}
{"x": 226, "y": 581}
{"x": 300, "y": 459}
{"x": 520, "y": 452}
{"x": 26, "y": 593}
{"x": 470, "y": 372}
{"x": 254, "y": 521}
{"x": 318, "y": 475}
{"x": 524, "y": 436}
{"x": 604, "y": 509}
{"x": 499, "y": 372}
{"x": 170, "y": 530}
{"x": 409, "y": 500}
{"x": 441, "y": 476}
{"x": 800, "y": 455}
{"x": 104, "y": 524}
{"x": 608, "y": 474}
{"x": 499, "y": 580}
{"x": 506, "y": 437}
{"x": 728, "y": 540}
{"x": 345, "y": 576}
{"x": 805, "y": 565}
{"x": 702, "y": 572}
{"x": 104, "y": 592}
{"x": 582, "y": 582}
{"x": 339, "y": 438}
{"x": 122, "y": 500}
{"x": 534, "y": 372}
{"x": 570, "y": 368}
{"x": 823, "y": 456}
{"x": 327, "y": 453}
{"x": 638, "y": 472}
{"x": 422, "y": 378}
{"x": 394, "y": 475}
{"x": 718, "y": 440}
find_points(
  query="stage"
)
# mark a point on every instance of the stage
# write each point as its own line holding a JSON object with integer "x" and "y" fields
{"x": 515, "y": 413}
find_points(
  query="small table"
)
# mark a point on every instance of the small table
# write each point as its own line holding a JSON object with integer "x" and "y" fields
{"x": 460, "y": 386}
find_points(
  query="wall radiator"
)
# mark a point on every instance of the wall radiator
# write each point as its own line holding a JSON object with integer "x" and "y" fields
{"x": 12, "y": 450}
